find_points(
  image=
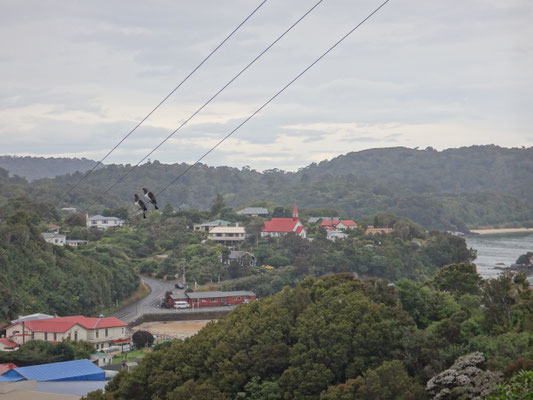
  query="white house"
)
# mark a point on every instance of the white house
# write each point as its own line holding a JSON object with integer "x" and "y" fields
{"x": 76, "y": 243}
{"x": 241, "y": 257}
{"x": 334, "y": 235}
{"x": 227, "y": 235}
{"x": 101, "y": 222}
{"x": 54, "y": 238}
{"x": 102, "y": 332}
{"x": 207, "y": 226}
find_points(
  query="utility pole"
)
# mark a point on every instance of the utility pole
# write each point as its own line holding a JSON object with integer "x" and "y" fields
{"x": 184, "y": 263}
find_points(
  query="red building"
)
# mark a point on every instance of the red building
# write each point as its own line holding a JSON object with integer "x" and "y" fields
{"x": 213, "y": 299}
{"x": 277, "y": 227}
{"x": 216, "y": 299}
{"x": 171, "y": 299}
{"x": 339, "y": 224}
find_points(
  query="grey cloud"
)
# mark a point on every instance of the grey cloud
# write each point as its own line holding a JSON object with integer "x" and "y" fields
{"x": 415, "y": 63}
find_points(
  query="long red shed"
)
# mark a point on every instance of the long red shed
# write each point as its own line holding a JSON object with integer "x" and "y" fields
{"x": 216, "y": 299}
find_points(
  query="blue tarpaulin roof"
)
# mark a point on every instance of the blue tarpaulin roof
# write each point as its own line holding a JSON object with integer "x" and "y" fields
{"x": 4, "y": 378}
{"x": 79, "y": 370}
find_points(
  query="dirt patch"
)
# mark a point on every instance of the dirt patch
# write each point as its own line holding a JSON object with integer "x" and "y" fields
{"x": 172, "y": 329}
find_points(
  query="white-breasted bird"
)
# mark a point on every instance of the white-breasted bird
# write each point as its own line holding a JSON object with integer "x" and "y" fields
{"x": 150, "y": 197}
{"x": 140, "y": 204}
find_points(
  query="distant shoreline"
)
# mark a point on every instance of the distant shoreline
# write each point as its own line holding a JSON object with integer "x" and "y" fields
{"x": 491, "y": 231}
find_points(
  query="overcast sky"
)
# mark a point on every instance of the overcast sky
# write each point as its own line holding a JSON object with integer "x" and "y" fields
{"x": 76, "y": 76}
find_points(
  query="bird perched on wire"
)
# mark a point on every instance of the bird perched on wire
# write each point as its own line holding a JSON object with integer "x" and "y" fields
{"x": 140, "y": 204}
{"x": 150, "y": 197}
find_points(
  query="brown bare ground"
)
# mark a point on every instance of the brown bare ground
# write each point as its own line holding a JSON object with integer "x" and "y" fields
{"x": 173, "y": 329}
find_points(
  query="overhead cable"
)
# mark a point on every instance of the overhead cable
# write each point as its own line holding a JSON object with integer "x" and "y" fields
{"x": 211, "y": 99}
{"x": 161, "y": 102}
{"x": 272, "y": 98}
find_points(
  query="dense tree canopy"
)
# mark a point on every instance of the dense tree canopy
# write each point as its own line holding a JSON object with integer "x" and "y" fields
{"x": 335, "y": 338}
{"x": 40, "y": 277}
{"x": 455, "y": 189}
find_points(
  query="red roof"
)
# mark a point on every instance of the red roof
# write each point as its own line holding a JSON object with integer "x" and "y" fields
{"x": 63, "y": 324}
{"x": 299, "y": 229}
{"x": 348, "y": 222}
{"x": 328, "y": 223}
{"x": 6, "y": 367}
{"x": 7, "y": 343}
{"x": 280, "y": 225}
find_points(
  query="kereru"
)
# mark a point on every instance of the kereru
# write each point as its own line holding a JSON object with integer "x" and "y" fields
{"x": 151, "y": 198}
{"x": 141, "y": 205}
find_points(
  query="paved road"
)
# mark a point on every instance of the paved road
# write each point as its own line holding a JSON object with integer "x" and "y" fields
{"x": 150, "y": 304}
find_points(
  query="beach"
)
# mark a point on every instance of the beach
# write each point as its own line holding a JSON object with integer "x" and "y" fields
{"x": 495, "y": 231}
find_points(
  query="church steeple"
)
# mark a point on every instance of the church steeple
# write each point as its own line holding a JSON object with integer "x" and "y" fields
{"x": 295, "y": 213}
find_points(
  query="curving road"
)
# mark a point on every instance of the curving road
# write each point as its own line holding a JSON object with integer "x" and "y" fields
{"x": 148, "y": 304}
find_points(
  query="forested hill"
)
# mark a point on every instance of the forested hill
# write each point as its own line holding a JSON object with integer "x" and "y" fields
{"x": 455, "y": 189}
{"x": 462, "y": 170}
{"x": 39, "y": 167}
{"x": 40, "y": 277}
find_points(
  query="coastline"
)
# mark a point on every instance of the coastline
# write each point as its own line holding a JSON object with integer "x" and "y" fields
{"x": 492, "y": 231}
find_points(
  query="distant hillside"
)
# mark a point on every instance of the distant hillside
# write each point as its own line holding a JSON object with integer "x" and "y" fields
{"x": 33, "y": 168}
{"x": 453, "y": 189}
{"x": 463, "y": 170}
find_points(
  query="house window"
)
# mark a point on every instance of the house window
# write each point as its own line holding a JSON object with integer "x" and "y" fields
{"x": 104, "y": 222}
{"x": 219, "y": 234}
{"x": 96, "y": 334}
{"x": 213, "y": 299}
{"x": 76, "y": 335}
{"x": 55, "y": 337}
{"x": 122, "y": 330}
{"x": 93, "y": 222}
{"x": 46, "y": 336}
{"x": 106, "y": 332}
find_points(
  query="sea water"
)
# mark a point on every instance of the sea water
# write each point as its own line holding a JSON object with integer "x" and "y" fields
{"x": 498, "y": 251}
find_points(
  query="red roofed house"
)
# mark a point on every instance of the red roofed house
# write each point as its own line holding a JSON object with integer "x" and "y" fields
{"x": 102, "y": 332}
{"x": 7, "y": 345}
{"x": 6, "y": 367}
{"x": 339, "y": 225}
{"x": 281, "y": 226}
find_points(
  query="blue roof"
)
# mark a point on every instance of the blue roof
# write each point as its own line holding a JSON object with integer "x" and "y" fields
{"x": 79, "y": 370}
{"x": 4, "y": 378}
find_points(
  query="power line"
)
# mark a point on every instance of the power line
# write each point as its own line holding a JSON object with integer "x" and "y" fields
{"x": 210, "y": 99}
{"x": 162, "y": 101}
{"x": 272, "y": 98}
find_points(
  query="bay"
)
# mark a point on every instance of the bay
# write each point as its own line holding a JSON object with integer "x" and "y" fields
{"x": 498, "y": 250}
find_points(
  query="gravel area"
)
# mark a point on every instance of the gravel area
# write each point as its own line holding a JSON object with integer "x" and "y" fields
{"x": 173, "y": 329}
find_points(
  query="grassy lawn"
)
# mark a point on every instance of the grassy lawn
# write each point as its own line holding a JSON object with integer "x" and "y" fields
{"x": 133, "y": 355}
